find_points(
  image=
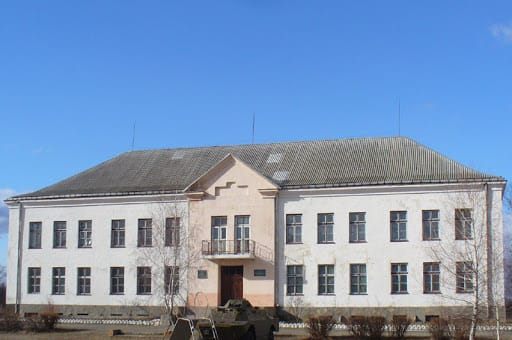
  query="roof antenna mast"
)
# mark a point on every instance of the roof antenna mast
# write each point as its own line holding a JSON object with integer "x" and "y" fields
{"x": 133, "y": 136}
{"x": 253, "y": 120}
{"x": 399, "y": 117}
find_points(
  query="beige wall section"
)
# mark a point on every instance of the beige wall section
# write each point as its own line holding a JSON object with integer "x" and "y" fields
{"x": 231, "y": 189}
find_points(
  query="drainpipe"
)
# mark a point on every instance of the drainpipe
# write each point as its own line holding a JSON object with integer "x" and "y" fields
{"x": 21, "y": 223}
{"x": 490, "y": 251}
{"x": 277, "y": 254}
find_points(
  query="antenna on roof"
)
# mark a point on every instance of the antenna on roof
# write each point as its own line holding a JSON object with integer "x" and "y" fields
{"x": 133, "y": 136}
{"x": 253, "y": 120}
{"x": 399, "y": 117}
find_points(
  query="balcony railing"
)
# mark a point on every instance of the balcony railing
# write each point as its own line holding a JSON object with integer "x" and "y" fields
{"x": 228, "y": 248}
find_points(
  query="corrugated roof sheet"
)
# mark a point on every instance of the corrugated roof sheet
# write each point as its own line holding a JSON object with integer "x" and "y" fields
{"x": 342, "y": 162}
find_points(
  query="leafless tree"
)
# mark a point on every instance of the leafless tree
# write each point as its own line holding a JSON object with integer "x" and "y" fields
{"x": 471, "y": 257}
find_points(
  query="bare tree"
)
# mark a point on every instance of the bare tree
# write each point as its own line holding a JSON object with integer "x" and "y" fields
{"x": 471, "y": 257}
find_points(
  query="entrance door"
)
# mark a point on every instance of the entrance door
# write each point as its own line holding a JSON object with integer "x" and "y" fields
{"x": 231, "y": 283}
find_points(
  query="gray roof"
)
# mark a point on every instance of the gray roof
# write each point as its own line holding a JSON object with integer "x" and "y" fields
{"x": 325, "y": 163}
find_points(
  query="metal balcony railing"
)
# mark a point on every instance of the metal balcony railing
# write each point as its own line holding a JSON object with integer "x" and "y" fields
{"x": 218, "y": 248}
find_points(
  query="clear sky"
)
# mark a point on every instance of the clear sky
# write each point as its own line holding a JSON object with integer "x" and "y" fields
{"x": 75, "y": 76}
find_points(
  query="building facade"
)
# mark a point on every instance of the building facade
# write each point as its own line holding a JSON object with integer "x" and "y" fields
{"x": 352, "y": 227}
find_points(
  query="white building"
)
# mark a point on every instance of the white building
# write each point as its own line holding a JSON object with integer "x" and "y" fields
{"x": 354, "y": 226}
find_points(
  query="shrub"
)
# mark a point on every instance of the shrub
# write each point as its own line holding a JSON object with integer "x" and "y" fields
{"x": 319, "y": 326}
{"x": 10, "y": 322}
{"x": 367, "y": 327}
{"x": 439, "y": 329}
{"x": 399, "y": 326}
{"x": 459, "y": 328}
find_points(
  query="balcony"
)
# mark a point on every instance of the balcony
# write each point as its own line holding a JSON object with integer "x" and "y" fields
{"x": 228, "y": 249}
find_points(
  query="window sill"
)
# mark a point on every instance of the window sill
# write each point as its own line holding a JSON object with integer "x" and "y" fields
{"x": 34, "y": 248}
{"x": 327, "y": 294}
{"x": 144, "y": 294}
{"x": 34, "y": 293}
{"x": 356, "y": 294}
{"x": 465, "y": 292}
{"x": 294, "y": 243}
{"x": 85, "y": 247}
{"x": 431, "y": 239}
{"x": 116, "y": 293}
{"x": 399, "y": 241}
{"x": 432, "y": 293}
{"x": 399, "y": 293}
{"x": 295, "y": 294}
{"x": 358, "y": 241}
{"x": 328, "y": 242}
{"x": 59, "y": 247}
{"x": 117, "y": 246}
{"x": 88, "y": 294}
{"x": 140, "y": 246}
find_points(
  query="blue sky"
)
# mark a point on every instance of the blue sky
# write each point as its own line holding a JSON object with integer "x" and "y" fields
{"x": 75, "y": 76}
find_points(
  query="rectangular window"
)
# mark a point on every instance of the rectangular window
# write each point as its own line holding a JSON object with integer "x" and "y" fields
{"x": 116, "y": 280}
{"x": 34, "y": 236}
{"x": 294, "y": 228}
{"x": 463, "y": 224}
{"x": 202, "y": 274}
{"x": 399, "y": 278}
{"x": 172, "y": 231}
{"x": 145, "y": 233}
{"x": 172, "y": 280}
{"x": 143, "y": 280}
{"x": 34, "y": 280}
{"x": 431, "y": 277}
{"x": 464, "y": 273}
{"x": 242, "y": 234}
{"x": 117, "y": 234}
{"x": 59, "y": 234}
{"x": 358, "y": 279}
{"x": 398, "y": 224}
{"x": 58, "y": 280}
{"x": 326, "y": 279}
{"x": 84, "y": 234}
{"x": 357, "y": 227}
{"x": 295, "y": 280}
{"x": 219, "y": 228}
{"x": 430, "y": 225}
{"x": 83, "y": 281}
{"x": 325, "y": 228}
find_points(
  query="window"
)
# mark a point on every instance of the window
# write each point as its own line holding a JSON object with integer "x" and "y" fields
{"x": 143, "y": 280}
{"x": 242, "y": 234}
{"x": 219, "y": 227}
{"x": 117, "y": 234}
{"x": 58, "y": 280}
{"x": 295, "y": 280}
{"x": 430, "y": 225}
{"x": 202, "y": 274}
{"x": 358, "y": 280}
{"x": 116, "y": 280}
{"x": 34, "y": 280}
{"x": 172, "y": 231}
{"x": 260, "y": 272}
{"x": 357, "y": 227}
{"x": 145, "y": 237}
{"x": 326, "y": 279}
{"x": 398, "y": 278}
{"x": 59, "y": 234}
{"x": 83, "y": 281}
{"x": 464, "y": 277}
{"x": 84, "y": 234}
{"x": 463, "y": 224}
{"x": 172, "y": 279}
{"x": 34, "y": 236}
{"x": 294, "y": 228}
{"x": 431, "y": 277}
{"x": 325, "y": 228}
{"x": 398, "y": 222}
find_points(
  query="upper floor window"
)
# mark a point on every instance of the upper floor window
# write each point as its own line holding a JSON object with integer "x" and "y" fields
{"x": 34, "y": 280}
{"x": 326, "y": 279}
{"x": 294, "y": 279}
{"x": 398, "y": 278}
{"x": 143, "y": 280}
{"x": 59, "y": 234}
{"x": 172, "y": 231}
{"x": 464, "y": 277}
{"x": 117, "y": 236}
{"x": 219, "y": 234}
{"x": 357, "y": 227}
{"x": 83, "y": 281}
{"x": 117, "y": 280}
{"x": 463, "y": 224}
{"x": 242, "y": 234}
{"x": 325, "y": 228}
{"x": 358, "y": 279}
{"x": 293, "y": 228}
{"x": 58, "y": 280}
{"x": 398, "y": 225}
{"x": 172, "y": 279}
{"x": 84, "y": 234}
{"x": 430, "y": 225}
{"x": 145, "y": 233}
{"x": 431, "y": 277}
{"x": 34, "y": 236}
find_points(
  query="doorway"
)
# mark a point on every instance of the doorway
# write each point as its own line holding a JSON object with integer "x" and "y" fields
{"x": 231, "y": 283}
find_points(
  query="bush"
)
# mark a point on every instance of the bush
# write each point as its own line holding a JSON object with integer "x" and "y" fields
{"x": 367, "y": 327}
{"x": 399, "y": 326}
{"x": 459, "y": 328}
{"x": 319, "y": 326}
{"x": 10, "y": 322}
{"x": 439, "y": 329}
